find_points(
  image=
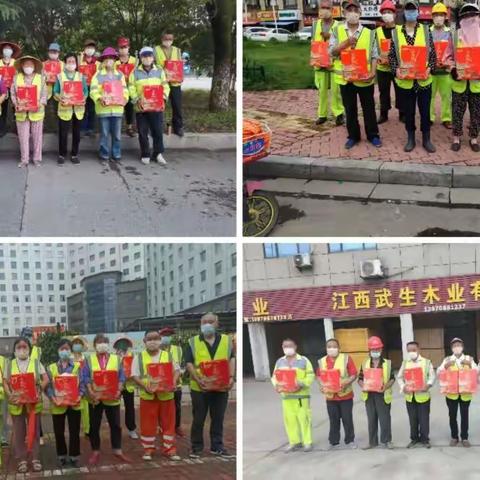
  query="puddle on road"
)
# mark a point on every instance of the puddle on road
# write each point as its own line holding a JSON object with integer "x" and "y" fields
{"x": 287, "y": 212}
{"x": 441, "y": 232}
{"x": 133, "y": 171}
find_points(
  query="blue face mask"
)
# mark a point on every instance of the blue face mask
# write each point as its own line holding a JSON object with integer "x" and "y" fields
{"x": 77, "y": 348}
{"x": 411, "y": 15}
{"x": 64, "y": 354}
{"x": 166, "y": 340}
{"x": 208, "y": 329}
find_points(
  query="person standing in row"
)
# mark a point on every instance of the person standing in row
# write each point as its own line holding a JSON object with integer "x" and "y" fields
{"x": 50, "y": 66}
{"x": 9, "y": 52}
{"x": 88, "y": 58}
{"x": 79, "y": 349}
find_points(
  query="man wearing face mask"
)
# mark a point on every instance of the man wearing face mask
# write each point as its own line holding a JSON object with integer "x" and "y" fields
{"x": 208, "y": 345}
{"x": 79, "y": 349}
{"x": 87, "y": 57}
{"x": 377, "y": 404}
{"x": 346, "y": 36}
{"x": 414, "y": 91}
{"x": 297, "y": 413}
{"x": 458, "y": 361}
{"x": 50, "y": 66}
{"x": 418, "y": 403}
{"x": 167, "y": 51}
{"x": 441, "y": 81}
{"x": 339, "y": 405}
{"x": 9, "y": 52}
{"x": 323, "y": 76}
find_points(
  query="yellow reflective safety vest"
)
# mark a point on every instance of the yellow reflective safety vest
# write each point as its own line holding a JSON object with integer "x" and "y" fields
{"x": 341, "y": 363}
{"x": 33, "y": 367}
{"x": 366, "y": 41}
{"x": 381, "y": 36}
{"x": 53, "y": 369}
{"x": 129, "y": 383}
{"x": 424, "y": 364}
{"x": 19, "y": 81}
{"x": 161, "y": 57}
{"x": 96, "y": 92}
{"x": 201, "y": 354}
{"x": 177, "y": 353}
{"x": 144, "y": 359}
{"x": 317, "y": 30}
{"x": 65, "y": 113}
{"x": 113, "y": 364}
{"x": 50, "y": 85}
{"x": 464, "y": 396}
{"x": 3, "y": 365}
{"x": 421, "y": 40}
{"x": 440, "y": 35}
{"x": 387, "y": 371}
{"x": 139, "y": 78}
{"x": 459, "y": 86}
{"x": 36, "y": 353}
{"x": 304, "y": 374}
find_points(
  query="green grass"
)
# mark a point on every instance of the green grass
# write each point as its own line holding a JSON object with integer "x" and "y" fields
{"x": 286, "y": 65}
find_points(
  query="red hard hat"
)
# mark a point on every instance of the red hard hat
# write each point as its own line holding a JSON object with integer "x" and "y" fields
{"x": 374, "y": 343}
{"x": 123, "y": 42}
{"x": 387, "y": 5}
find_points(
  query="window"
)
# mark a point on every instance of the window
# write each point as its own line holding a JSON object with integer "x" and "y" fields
{"x": 350, "y": 247}
{"x": 125, "y": 259}
{"x": 37, "y": 265}
{"x": 234, "y": 259}
{"x": 190, "y": 281}
{"x": 25, "y": 265}
{"x": 102, "y": 254}
{"x": 277, "y": 250}
{"x": 191, "y": 300}
{"x": 180, "y": 287}
{"x": 203, "y": 275}
{"x": 180, "y": 304}
{"x": 203, "y": 296}
{"x": 126, "y": 271}
{"x": 112, "y": 250}
{"x": 112, "y": 263}
{"x": 92, "y": 258}
{"x": 180, "y": 270}
{"x": 102, "y": 266}
{"x": 137, "y": 268}
{"x": 233, "y": 283}
{"x": 190, "y": 264}
{"x": 26, "y": 276}
{"x": 136, "y": 255}
{"x": 203, "y": 255}
{"x": 217, "y": 248}
{"x": 49, "y": 265}
{"x": 218, "y": 268}
{"x": 92, "y": 269}
{"x": 13, "y": 265}
{"x": 218, "y": 289}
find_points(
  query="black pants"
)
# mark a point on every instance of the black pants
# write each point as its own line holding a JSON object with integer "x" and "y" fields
{"x": 88, "y": 122}
{"x": 419, "y": 416}
{"x": 64, "y": 128}
{"x": 178, "y": 407}
{"x": 202, "y": 404}
{"x": 340, "y": 410}
{"x": 385, "y": 80}
{"x": 378, "y": 412}
{"x": 176, "y": 103}
{"x": 129, "y": 402}
{"x": 452, "y": 413}
{"x": 113, "y": 418}
{"x": 73, "y": 417}
{"x": 349, "y": 97}
{"x": 150, "y": 122}
{"x": 129, "y": 113}
{"x": 459, "y": 107}
{"x": 4, "y": 115}
{"x": 410, "y": 99}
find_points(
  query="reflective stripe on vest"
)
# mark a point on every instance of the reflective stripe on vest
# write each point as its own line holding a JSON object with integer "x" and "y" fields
{"x": 341, "y": 363}
{"x": 66, "y": 113}
{"x": 464, "y": 396}
{"x": 97, "y": 87}
{"x": 459, "y": 86}
{"x": 161, "y": 58}
{"x": 53, "y": 368}
{"x": 12, "y": 369}
{"x": 145, "y": 359}
{"x": 32, "y": 116}
{"x": 112, "y": 364}
{"x": 420, "y": 397}
{"x": 317, "y": 30}
{"x": 387, "y": 371}
{"x": 300, "y": 367}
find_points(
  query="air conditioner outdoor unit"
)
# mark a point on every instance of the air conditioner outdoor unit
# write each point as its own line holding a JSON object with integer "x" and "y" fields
{"x": 304, "y": 260}
{"x": 371, "y": 269}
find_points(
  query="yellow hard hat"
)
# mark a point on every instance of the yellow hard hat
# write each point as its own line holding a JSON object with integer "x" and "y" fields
{"x": 439, "y": 7}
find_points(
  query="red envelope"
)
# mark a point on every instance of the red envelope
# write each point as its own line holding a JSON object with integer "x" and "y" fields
{"x": 319, "y": 56}
{"x": 153, "y": 100}
{"x": 372, "y": 379}
{"x": 113, "y": 93}
{"x": 330, "y": 380}
{"x": 23, "y": 385}
{"x": 288, "y": 377}
{"x": 467, "y": 381}
{"x": 7, "y": 74}
{"x": 413, "y": 62}
{"x": 355, "y": 66}
{"x": 73, "y": 90}
{"x": 174, "y": 70}
{"x": 160, "y": 375}
{"x": 414, "y": 379}
{"x": 217, "y": 373}
{"x": 66, "y": 389}
{"x": 127, "y": 366}
{"x": 440, "y": 49}
{"x": 448, "y": 380}
{"x": 468, "y": 63}
{"x": 27, "y": 100}
{"x": 51, "y": 68}
{"x": 385, "y": 44}
{"x": 126, "y": 69}
{"x": 88, "y": 70}
{"x": 105, "y": 382}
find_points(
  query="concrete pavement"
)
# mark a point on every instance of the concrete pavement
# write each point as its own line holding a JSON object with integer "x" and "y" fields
{"x": 264, "y": 440}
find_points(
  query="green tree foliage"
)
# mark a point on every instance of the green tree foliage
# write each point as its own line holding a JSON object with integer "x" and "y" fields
{"x": 48, "y": 342}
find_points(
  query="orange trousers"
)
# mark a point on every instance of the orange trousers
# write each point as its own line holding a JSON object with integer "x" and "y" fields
{"x": 153, "y": 414}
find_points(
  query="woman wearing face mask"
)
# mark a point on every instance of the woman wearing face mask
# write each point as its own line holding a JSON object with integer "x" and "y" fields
{"x": 60, "y": 413}
{"x": 418, "y": 402}
{"x": 458, "y": 361}
{"x": 109, "y": 115}
{"x": 146, "y": 74}
{"x": 79, "y": 347}
{"x": 377, "y": 403}
{"x": 69, "y": 116}
{"x": 20, "y": 413}
{"x": 339, "y": 405}
{"x": 9, "y": 52}
{"x": 88, "y": 66}
{"x": 29, "y": 123}
{"x": 100, "y": 361}
{"x": 51, "y": 68}
{"x": 297, "y": 413}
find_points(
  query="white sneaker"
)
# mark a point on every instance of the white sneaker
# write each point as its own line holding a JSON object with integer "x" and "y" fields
{"x": 147, "y": 457}
{"x": 145, "y": 160}
{"x": 133, "y": 434}
{"x": 161, "y": 160}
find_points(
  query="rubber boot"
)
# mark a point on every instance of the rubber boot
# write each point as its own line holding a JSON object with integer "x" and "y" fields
{"x": 427, "y": 144}
{"x": 410, "y": 145}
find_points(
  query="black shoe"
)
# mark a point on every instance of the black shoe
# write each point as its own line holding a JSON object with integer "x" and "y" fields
{"x": 401, "y": 117}
{"x": 320, "y": 120}
{"x": 412, "y": 444}
{"x": 221, "y": 452}
{"x": 427, "y": 144}
{"x": 63, "y": 462}
{"x": 74, "y": 462}
{"x": 75, "y": 159}
{"x": 179, "y": 133}
{"x": 339, "y": 120}
{"x": 61, "y": 160}
{"x": 382, "y": 118}
{"x": 474, "y": 146}
{"x": 426, "y": 444}
{"x": 455, "y": 146}
{"x": 410, "y": 145}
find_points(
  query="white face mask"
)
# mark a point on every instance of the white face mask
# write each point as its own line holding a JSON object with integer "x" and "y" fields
{"x": 325, "y": 13}
{"x": 457, "y": 350}
{"x": 352, "y": 17}
{"x": 101, "y": 347}
{"x": 413, "y": 355}
{"x": 167, "y": 43}
{"x": 89, "y": 52}
{"x": 289, "y": 351}
{"x": 438, "y": 20}
{"x": 21, "y": 353}
{"x": 375, "y": 354}
{"x": 332, "y": 351}
{"x": 147, "y": 61}
{"x": 71, "y": 67}
{"x": 388, "y": 17}
{"x": 152, "y": 345}
{"x": 53, "y": 56}
{"x": 28, "y": 70}
{"x": 7, "y": 52}
{"x": 109, "y": 63}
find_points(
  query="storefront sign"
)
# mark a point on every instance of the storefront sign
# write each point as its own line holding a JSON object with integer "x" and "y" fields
{"x": 265, "y": 16}
{"x": 379, "y": 299}
{"x": 289, "y": 15}
{"x": 370, "y": 8}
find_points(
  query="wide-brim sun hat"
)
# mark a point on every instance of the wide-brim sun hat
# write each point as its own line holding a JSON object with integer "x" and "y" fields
{"x": 38, "y": 64}
{"x": 17, "y": 50}
{"x": 109, "y": 52}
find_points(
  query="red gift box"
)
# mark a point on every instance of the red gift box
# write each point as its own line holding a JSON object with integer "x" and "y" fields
{"x": 153, "y": 100}
{"x": 51, "y": 69}
{"x": 468, "y": 63}
{"x": 7, "y": 74}
{"x": 319, "y": 56}
{"x": 467, "y": 381}
{"x": 330, "y": 380}
{"x": 105, "y": 382}
{"x": 23, "y": 386}
{"x": 385, "y": 44}
{"x": 413, "y": 62}
{"x": 217, "y": 373}
{"x": 66, "y": 389}
{"x": 287, "y": 378}
{"x": 440, "y": 49}
{"x": 126, "y": 69}
{"x": 113, "y": 93}
{"x": 414, "y": 379}
{"x": 73, "y": 93}
{"x": 88, "y": 70}
{"x": 448, "y": 380}
{"x": 27, "y": 100}
{"x": 373, "y": 380}
{"x": 355, "y": 66}
{"x": 127, "y": 365}
{"x": 174, "y": 70}
{"x": 160, "y": 376}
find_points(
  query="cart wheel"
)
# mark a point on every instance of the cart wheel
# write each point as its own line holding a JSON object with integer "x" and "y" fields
{"x": 262, "y": 214}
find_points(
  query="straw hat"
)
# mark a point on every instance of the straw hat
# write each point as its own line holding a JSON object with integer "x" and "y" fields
{"x": 38, "y": 64}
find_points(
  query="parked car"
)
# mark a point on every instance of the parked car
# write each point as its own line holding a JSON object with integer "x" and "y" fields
{"x": 305, "y": 33}
{"x": 279, "y": 34}
{"x": 248, "y": 31}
